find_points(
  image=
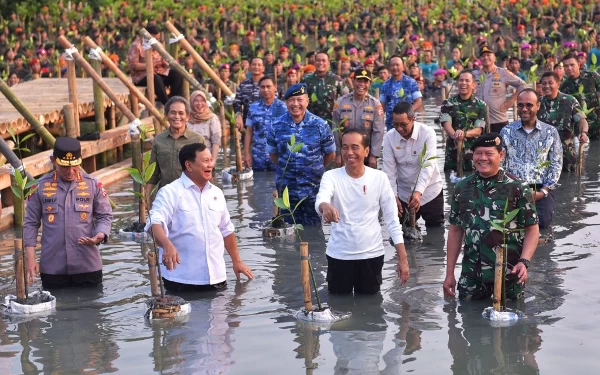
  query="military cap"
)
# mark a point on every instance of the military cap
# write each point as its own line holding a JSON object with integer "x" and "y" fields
{"x": 488, "y": 140}
{"x": 67, "y": 152}
{"x": 296, "y": 90}
{"x": 363, "y": 73}
{"x": 485, "y": 49}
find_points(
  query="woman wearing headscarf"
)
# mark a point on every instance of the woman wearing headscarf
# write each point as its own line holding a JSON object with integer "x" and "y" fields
{"x": 204, "y": 122}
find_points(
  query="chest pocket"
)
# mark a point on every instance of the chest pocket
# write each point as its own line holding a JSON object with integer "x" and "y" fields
{"x": 367, "y": 119}
{"x": 83, "y": 211}
{"x": 49, "y": 213}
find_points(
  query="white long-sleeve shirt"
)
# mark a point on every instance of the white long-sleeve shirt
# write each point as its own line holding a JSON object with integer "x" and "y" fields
{"x": 401, "y": 163}
{"x": 195, "y": 222}
{"x": 357, "y": 235}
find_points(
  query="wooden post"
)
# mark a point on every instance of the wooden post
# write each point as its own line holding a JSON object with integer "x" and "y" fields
{"x": 69, "y": 116}
{"x": 99, "y": 109}
{"x": 150, "y": 77}
{"x": 18, "y": 207}
{"x": 498, "y": 277}
{"x": 137, "y": 161}
{"x": 149, "y": 103}
{"x": 20, "y": 270}
{"x": 460, "y": 167}
{"x": 580, "y": 159}
{"x": 72, "y": 84}
{"x": 238, "y": 152}
{"x": 152, "y": 264}
{"x": 111, "y": 155}
{"x": 33, "y": 121}
{"x": 305, "y": 276}
{"x": 135, "y": 105}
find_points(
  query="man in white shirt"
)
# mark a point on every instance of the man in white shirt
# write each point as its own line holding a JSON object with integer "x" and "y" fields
{"x": 350, "y": 198}
{"x": 402, "y": 147}
{"x": 191, "y": 224}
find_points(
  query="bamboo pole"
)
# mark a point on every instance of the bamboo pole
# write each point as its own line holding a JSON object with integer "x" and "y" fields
{"x": 150, "y": 91}
{"x": 580, "y": 159}
{"x": 33, "y": 121}
{"x": 11, "y": 145}
{"x": 148, "y": 102}
{"x": 305, "y": 276}
{"x": 186, "y": 90}
{"x": 99, "y": 117}
{"x": 111, "y": 155}
{"x": 72, "y": 85}
{"x": 460, "y": 163}
{"x": 238, "y": 152}
{"x": 498, "y": 277}
{"x": 20, "y": 270}
{"x": 69, "y": 116}
{"x": 153, "y": 276}
{"x": 136, "y": 157}
{"x": 19, "y": 207}
{"x": 194, "y": 84}
{"x": 64, "y": 42}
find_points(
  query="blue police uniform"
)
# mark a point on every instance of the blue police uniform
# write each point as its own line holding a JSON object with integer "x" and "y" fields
{"x": 304, "y": 169}
{"x": 260, "y": 118}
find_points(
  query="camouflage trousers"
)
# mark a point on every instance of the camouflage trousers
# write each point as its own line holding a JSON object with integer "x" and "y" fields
{"x": 570, "y": 154}
{"x": 475, "y": 289}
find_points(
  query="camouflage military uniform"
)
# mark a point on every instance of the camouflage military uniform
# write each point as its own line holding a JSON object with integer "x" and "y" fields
{"x": 463, "y": 115}
{"x": 322, "y": 94}
{"x": 591, "y": 91}
{"x": 301, "y": 172}
{"x": 476, "y": 202}
{"x": 563, "y": 112}
{"x": 246, "y": 94}
{"x": 260, "y": 118}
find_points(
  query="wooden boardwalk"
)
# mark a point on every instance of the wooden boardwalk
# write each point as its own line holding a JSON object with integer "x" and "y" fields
{"x": 46, "y": 97}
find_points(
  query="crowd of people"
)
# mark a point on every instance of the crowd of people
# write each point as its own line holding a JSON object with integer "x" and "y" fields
{"x": 352, "y": 100}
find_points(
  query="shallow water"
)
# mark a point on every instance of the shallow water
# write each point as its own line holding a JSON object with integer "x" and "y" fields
{"x": 249, "y": 328}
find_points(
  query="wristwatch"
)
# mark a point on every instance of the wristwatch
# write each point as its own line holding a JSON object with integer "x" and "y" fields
{"x": 545, "y": 191}
{"x": 525, "y": 262}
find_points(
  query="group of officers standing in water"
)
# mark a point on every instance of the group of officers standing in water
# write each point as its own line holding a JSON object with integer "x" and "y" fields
{"x": 515, "y": 169}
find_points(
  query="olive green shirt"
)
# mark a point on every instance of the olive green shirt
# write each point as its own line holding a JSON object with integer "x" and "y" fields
{"x": 165, "y": 152}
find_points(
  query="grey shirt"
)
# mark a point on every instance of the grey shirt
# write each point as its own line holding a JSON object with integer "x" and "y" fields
{"x": 492, "y": 89}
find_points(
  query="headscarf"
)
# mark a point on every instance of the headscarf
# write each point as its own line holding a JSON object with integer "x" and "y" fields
{"x": 199, "y": 117}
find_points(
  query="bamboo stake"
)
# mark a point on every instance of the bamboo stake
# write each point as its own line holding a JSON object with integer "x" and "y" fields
{"x": 305, "y": 276}
{"x": 199, "y": 60}
{"x": 72, "y": 85}
{"x": 460, "y": 163}
{"x": 152, "y": 264}
{"x": 20, "y": 270}
{"x": 186, "y": 90}
{"x": 69, "y": 116}
{"x": 238, "y": 152}
{"x": 580, "y": 159}
{"x": 33, "y": 121}
{"x": 137, "y": 161}
{"x": 150, "y": 77}
{"x": 64, "y": 42}
{"x": 148, "y": 102}
{"x": 498, "y": 277}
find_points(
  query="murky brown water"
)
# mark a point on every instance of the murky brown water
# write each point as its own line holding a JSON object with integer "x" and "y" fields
{"x": 248, "y": 329}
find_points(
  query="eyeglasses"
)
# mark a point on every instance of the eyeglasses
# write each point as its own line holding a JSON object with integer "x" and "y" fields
{"x": 402, "y": 124}
{"x": 523, "y": 105}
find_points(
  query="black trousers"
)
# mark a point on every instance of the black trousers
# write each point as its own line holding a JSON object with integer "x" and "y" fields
{"x": 362, "y": 275}
{"x": 495, "y": 128}
{"x": 545, "y": 209}
{"x": 86, "y": 280}
{"x": 174, "y": 81}
{"x": 432, "y": 212}
{"x": 176, "y": 287}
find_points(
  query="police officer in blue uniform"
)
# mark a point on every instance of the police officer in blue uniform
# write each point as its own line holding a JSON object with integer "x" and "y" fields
{"x": 300, "y": 171}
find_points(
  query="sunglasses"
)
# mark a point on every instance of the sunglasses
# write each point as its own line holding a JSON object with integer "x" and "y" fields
{"x": 523, "y": 105}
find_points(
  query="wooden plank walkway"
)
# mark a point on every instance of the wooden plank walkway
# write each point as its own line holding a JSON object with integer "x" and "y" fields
{"x": 46, "y": 97}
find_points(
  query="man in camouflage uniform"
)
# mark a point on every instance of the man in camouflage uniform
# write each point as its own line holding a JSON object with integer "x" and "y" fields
{"x": 77, "y": 217}
{"x": 260, "y": 117}
{"x": 361, "y": 111}
{"x": 300, "y": 171}
{"x": 590, "y": 95}
{"x": 324, "y": 87}
{"x": 248, "y": 92}
{"x": 463, "y": 118}
{"x": 563, "y": 112}
{"x": 478, "y": 200}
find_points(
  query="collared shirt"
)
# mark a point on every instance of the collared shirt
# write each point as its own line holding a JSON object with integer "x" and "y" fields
{"x": 401, "y": 163}
{"x": 562, "y": 112}
{"x": 195, "y": 221}
{"x": 366, "y": 115}
{"x": 590, "y": 95}
{"x": 527, "y": 152}
{"x": 492, "y": 88}
{"x": 357, "y": 235}
{"x": 395, "y": 91}
{"x": 137, "y": 54}
{"x": 69, "y": 211}
{"x": 323, "y": 93}
{"x": 165, "y": 152}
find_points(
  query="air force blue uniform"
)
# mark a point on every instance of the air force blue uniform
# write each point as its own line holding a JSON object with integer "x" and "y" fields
{"x": 260, "y": 118}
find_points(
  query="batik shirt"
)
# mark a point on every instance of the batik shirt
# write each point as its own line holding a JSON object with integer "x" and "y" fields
{"x": 527, "y": 152}
{"x": 395, "y": 91}
{"x": 247, "y": 93}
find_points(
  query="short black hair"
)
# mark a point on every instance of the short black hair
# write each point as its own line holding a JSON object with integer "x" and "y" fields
{"x": 551, "y": 74}
{"x": 466, "y": 71}
{"x": 514, "y": 58}
{"x": 177, "y": 99}
{"x": 188, "y": 153}
{"x": 152, "y": 29}
{"x": 366, "y": 140}
{"x": 402, "y": 108}
{"x": 264, "y": 78}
